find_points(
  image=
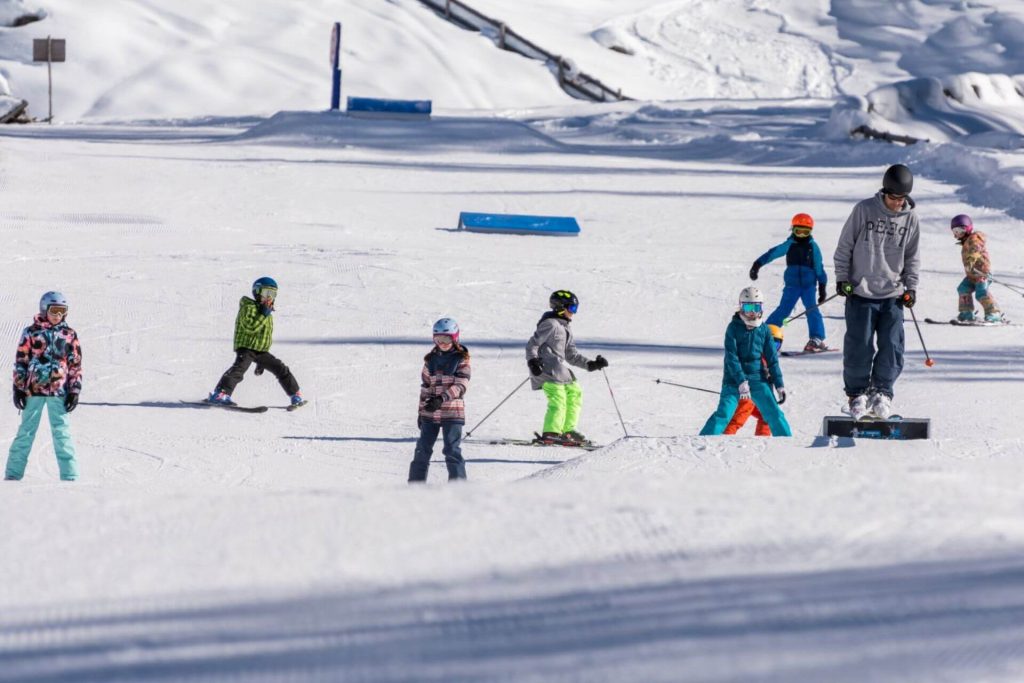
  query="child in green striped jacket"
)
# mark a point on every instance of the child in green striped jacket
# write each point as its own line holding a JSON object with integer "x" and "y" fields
{"x": 254, "y": 331}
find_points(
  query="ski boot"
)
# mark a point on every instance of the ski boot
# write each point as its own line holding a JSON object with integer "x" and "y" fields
{"x": 551, "y": 439}
{"x": 816, "y": 345}
{"x": 859, "y": 407}
{"x": 220, "y": 398}
{"x": 965, "y": 317}
{"x": 994, "y": 317}
{"x": 880, "y": 405}
{"x": 576, "y": 438}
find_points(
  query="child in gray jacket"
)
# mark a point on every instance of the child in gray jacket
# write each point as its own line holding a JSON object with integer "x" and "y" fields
{"x": 548, "y": 352}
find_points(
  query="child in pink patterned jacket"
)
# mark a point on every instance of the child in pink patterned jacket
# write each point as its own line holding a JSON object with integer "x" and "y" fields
{"x": 444, "y": 382}
{"x": 47, "y": 374}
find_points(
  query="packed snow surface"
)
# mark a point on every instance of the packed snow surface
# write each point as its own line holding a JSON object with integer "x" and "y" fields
{"x": 209, "y": 545}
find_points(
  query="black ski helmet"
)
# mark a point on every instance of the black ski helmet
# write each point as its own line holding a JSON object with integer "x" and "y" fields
{"x": 563, "y": 299}
{"x": 898, "y": 180}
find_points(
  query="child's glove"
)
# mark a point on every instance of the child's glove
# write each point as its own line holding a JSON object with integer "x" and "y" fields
{"x": 781, "y": 393}
{"x": 744, "y": 390}
{"x": 844, "y": 288}
{"x": 596, "y": 364}
{"x": 536, "y": 367}
{"x": 754, "y": 269}
{"x": 259, "y": 369}
{"x": 433, "y": 403}
{"x": 70, "y": 402}
{"x": 909, "y": 298}
{"x": 19, "y": 398}
{"x": 821, "y": 293}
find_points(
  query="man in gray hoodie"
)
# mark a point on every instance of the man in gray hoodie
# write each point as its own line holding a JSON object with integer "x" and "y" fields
{"x": 877, "y": 265}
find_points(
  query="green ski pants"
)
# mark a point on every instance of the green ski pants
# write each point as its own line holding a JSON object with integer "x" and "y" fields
{"x": 564, "y": 403}
{"x": 17, "y": 458}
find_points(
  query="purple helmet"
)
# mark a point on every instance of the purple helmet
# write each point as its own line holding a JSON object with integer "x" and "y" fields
{"x": 962, "y": 221}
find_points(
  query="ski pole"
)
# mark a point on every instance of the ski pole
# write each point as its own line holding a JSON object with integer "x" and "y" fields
{"x": 684, "y": 386}
{"x": 1013, "y": 288}
{"x": 928, "y": 358}
{"x": 470, "y": 432}
{"x": 615, "y": 403}
{"x": 804, "y": 312}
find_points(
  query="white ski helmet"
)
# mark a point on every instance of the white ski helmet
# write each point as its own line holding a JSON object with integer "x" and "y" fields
{"x": 751, "y": 306}
{"x": 449, "y": 327}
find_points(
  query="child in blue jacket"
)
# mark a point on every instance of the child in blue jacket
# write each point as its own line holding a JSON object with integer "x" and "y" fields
{"x": 746, "y": 342}
{"x": 804, "y": 269}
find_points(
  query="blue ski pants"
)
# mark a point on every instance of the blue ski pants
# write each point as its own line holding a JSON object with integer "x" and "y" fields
{"x": 763, "y": 397}
{"x": 808, "y": 296}
{"x": 17, "y": 458}
{"x": 866, "y": 369}
{"x": 452, "y": 435}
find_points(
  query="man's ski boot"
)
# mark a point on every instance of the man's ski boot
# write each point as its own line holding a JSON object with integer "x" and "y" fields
{"x": 880, "y": 405}
{"x": 859, "y": 407}
{"x": 220, "y": 398}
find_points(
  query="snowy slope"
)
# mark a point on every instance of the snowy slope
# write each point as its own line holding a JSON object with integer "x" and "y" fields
{"x": 207, "y": 546}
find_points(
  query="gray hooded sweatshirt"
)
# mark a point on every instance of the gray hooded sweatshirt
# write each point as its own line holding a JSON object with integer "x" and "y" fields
{"x": 877, "y": 249}
{"x": 552, "y": 342}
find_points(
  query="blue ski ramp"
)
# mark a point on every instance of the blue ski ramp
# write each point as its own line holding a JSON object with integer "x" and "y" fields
{"x": 503, "y": 223}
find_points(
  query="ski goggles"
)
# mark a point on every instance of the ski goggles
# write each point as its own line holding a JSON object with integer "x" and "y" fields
{"x": 443, "y": 339}
{"x": 898, "y": 197}
{"x": 57, "y": 309}
{"x": 959, "y": 232}
{"x": 801, "y": 230}
{"x": 572, "y": 308}
{"x": 751, "y": 308}
{"x": 267, "y": 293}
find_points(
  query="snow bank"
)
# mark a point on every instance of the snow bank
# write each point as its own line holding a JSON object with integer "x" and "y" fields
{"x": 19, "y": 13}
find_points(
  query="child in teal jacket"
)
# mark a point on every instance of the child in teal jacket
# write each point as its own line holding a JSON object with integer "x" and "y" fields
{"x": 747, "y": 341}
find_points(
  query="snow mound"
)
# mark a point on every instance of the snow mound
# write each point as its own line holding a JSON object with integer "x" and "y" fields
{"x": 319, "y": 129}
{"x": 18, "y": 13}
{"x": 938, "y": 109}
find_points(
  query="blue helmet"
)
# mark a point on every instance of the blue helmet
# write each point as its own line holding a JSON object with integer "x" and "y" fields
{"x": 51, "y": 299}
{"x": 263, "y": 283}
{"x": 449, "y": 327}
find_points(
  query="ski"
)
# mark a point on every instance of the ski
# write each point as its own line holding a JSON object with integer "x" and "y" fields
{"x": 296, "y": 406}
{"x": 794, "y": 354}
{"x": 205, "y": 403}
{"x": 970, "y": 323}
{"x": 530, "y": 442}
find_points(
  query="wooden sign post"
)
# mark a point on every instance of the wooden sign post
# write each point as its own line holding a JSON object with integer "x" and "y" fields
{"x": 48, "y": 50}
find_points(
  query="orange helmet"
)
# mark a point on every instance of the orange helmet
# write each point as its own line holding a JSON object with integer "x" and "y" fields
{"x": 802, "y": 220}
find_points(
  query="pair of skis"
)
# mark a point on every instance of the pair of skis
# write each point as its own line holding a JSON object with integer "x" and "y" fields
{"x": 206, "y": 403}
{"x": 970, "y": 323}
{"x": 538, "y": 441}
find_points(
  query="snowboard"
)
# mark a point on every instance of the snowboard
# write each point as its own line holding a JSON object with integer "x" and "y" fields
{"x": 969, "y": 323}
{"x": 794, "y": 354}
{"x": 896, "y": 427}
{"x": 206, "y": 403}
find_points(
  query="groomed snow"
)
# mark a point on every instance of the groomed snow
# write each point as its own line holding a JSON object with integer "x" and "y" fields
{"x": 206, "y": 546}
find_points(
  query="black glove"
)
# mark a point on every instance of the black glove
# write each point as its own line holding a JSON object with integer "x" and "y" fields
{"x": 780, "y": 392}
{"x": 259, "y": 369}
{"x": 432, "y": 403}
{"x": 596, "y": 364}
{"x": 844, "y": 288}
{"x": 19, "y": 398}
{"x": 821, "y": 294}
{"x": 909, "y": 298}
{"x": 70, "y": 402}
{"x": 536, "y": 367}
{"x": 753, "y": 270}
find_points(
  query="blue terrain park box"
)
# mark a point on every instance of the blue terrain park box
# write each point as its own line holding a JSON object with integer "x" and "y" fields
{"x": 519, "y": 225}
{"x": 374, "y": 105}
{"x": 895, "y": 428}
